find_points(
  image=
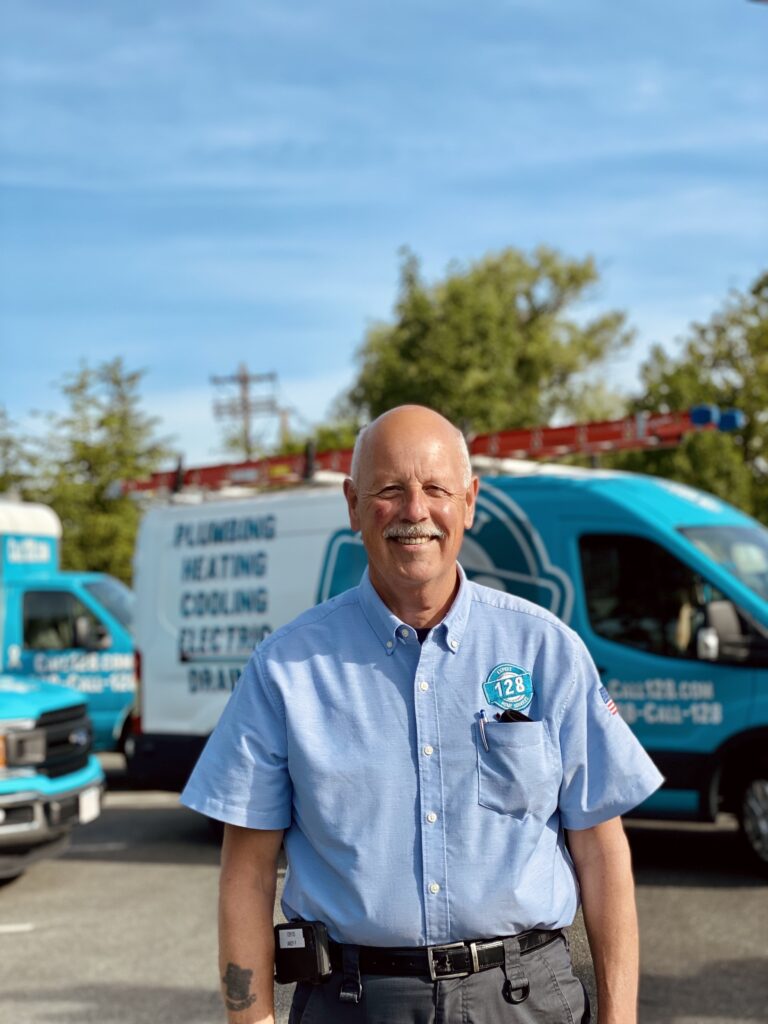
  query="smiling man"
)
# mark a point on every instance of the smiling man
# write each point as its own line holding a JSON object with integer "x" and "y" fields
{"x": 422, "y": 745}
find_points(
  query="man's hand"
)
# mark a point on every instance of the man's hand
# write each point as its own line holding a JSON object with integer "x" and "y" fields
{"x": 246, "y": 905}
{"x": 604, "y": 868}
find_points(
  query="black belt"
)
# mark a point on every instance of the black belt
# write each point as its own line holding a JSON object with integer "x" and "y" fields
{"x": 455, "y": 960}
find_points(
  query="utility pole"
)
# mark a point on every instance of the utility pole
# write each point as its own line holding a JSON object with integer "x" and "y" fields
{"x": 243, "y": 406}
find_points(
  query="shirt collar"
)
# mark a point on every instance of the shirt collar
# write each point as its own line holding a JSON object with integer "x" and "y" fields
{"x": 392, "y": 631}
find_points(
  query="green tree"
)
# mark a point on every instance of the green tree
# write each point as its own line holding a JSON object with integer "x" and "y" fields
{"x": 102, "y": 439}
{"x": 492, "y": 345}
{"x": 723, "y": 361}
{"x": 15, "y": 457}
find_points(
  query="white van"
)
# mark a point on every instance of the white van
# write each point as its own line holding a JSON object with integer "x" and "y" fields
{"x": 668, "y": 587}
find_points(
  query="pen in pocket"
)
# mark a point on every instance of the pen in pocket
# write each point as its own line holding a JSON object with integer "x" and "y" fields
{"x": 481, "y": 722}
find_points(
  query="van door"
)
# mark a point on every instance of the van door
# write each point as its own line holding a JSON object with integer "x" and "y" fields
{"x": 642, "y": 613}
{"x": 65, "y": 641}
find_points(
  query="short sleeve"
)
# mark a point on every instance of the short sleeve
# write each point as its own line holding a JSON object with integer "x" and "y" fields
{"x": 242, "y": 775}
{"x": 606, "y": 771}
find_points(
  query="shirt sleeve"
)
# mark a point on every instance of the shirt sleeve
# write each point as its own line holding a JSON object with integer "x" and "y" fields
{"x": 242, "y": 776}
{"x": 606, "y": 771}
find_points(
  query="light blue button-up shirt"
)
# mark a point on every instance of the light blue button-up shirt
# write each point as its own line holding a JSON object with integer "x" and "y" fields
{"x": 401, "y": 828}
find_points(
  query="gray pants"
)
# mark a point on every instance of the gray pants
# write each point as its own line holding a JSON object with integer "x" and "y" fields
{"x": 556, "y": 996}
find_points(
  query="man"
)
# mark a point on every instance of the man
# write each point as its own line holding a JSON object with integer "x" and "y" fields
{"x": 363, "y": 734}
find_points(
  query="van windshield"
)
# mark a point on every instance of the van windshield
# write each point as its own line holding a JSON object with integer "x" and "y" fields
{"x": 116, "y": 598}
{"x": 742, "y": 550}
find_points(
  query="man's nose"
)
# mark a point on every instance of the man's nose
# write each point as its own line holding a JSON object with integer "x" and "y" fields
{"x": 414, "y": 508}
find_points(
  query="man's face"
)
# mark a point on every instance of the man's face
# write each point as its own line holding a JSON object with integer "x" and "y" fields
{"x": 412, "y": 506}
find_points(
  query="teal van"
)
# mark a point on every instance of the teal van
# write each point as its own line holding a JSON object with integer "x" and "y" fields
{"x": 667, "y": 585}
{"x": 73, "y": 629}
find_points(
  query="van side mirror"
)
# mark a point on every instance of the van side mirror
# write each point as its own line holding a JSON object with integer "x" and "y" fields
{"x": 90, "y": 635}
{"x": 707, "y": 644}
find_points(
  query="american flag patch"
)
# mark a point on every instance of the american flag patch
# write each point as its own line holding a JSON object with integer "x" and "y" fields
{"x": 608, "y": 701}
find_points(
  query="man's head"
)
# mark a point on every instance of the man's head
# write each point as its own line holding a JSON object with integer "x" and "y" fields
{"x": 412, "y": 495}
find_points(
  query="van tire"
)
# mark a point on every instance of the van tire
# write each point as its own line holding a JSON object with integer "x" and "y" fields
{"x": 753, "y": 817}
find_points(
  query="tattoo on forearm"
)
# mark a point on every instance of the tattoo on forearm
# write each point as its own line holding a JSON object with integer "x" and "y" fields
{"x": 237, "y": 988}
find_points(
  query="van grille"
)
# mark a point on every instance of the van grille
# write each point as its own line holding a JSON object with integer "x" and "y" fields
{"x": 68, "y": 739}
{"x": 59, "y": 743}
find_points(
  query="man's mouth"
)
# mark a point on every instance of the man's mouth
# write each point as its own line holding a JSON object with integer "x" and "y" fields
{"x": 413, "y": 536}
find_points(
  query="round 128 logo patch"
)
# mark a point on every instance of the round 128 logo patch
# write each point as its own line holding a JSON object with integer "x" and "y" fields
{"x": 509, "y": 686}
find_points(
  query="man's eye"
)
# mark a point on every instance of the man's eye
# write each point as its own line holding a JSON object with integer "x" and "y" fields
{"x": 388, "y": 492}
{"x": 435, "y": 489}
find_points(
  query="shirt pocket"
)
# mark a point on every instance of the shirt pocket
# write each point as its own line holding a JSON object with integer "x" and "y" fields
{"x": 518, "y": 774}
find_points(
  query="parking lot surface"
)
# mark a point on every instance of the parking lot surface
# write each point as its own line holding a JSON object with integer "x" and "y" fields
{"x": 121, "y": 928}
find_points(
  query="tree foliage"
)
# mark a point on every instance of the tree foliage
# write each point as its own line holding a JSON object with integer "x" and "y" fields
{"x": 492, "y": 345}
{"x": 15, "y": 457}
{"x": 723, "y": 361}
{"x": 102, "y": 439}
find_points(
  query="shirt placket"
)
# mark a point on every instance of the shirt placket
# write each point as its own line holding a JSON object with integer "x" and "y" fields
{"x": 432, "y": 822}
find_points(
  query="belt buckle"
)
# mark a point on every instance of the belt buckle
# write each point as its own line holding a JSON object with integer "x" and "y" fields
{"x": 440, "y": 968}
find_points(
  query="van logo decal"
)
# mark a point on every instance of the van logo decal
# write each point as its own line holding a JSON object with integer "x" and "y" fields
{"x": 509, "y": 687}
{"x": 505, "y": 551}
{"x": 344, "y": 564}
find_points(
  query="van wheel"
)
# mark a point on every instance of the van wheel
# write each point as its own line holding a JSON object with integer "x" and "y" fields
{"x": 753, "y": 817}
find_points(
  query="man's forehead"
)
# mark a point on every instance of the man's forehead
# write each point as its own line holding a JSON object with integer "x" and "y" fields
{"x": 416, "y": 456}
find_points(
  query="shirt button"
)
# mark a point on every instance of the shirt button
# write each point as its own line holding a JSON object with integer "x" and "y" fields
{"x": 389, "y": 644}
{"x": 434, "y": 888}
{"x": 428, "y": 751}
{"x": 453, "y": 644}
{"x": 404, "y": 633}
{"x": 423, "y": 686}
{"x": 431, "y": 817}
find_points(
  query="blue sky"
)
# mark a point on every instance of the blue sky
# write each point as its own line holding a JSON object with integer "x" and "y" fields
{"x": 194, "y": 185}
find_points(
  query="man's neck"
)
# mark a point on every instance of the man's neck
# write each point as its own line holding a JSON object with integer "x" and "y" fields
{"x": 420, "y": 607}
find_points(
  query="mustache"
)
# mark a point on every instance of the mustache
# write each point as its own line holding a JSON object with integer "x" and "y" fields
{"x": 414, "y": 531}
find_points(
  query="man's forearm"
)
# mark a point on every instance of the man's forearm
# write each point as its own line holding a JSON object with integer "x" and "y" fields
{"x": 603, "y": 864}
{"x": 246, "y": 946}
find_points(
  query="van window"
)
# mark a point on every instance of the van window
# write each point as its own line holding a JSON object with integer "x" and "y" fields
{"x": 49, "y": 619}
{"x": 640, "y": 595}
{"x": 742, "y": 550}
{"x": 118, "y": 599}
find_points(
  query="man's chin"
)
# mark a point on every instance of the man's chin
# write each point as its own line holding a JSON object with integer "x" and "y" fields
{"x": 417, "y": 555}
{"x": 420, "y": 570}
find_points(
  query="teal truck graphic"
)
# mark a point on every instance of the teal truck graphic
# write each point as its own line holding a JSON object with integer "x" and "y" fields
{"x": 72, "y": 629}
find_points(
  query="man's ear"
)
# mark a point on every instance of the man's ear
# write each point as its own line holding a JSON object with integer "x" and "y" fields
{"x": 469, "y": 514}
{"x": 351, "y": 495}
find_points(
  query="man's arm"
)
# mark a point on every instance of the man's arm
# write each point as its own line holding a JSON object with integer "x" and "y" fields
{"x": 604, "y": 868}
{"x": 246, "y": 904}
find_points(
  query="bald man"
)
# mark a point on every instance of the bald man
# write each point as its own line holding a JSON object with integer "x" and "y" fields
{"x": 422, "y": 833}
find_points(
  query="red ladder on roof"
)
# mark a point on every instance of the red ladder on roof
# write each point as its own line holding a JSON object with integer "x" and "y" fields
{"x": 643, "y": 430}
